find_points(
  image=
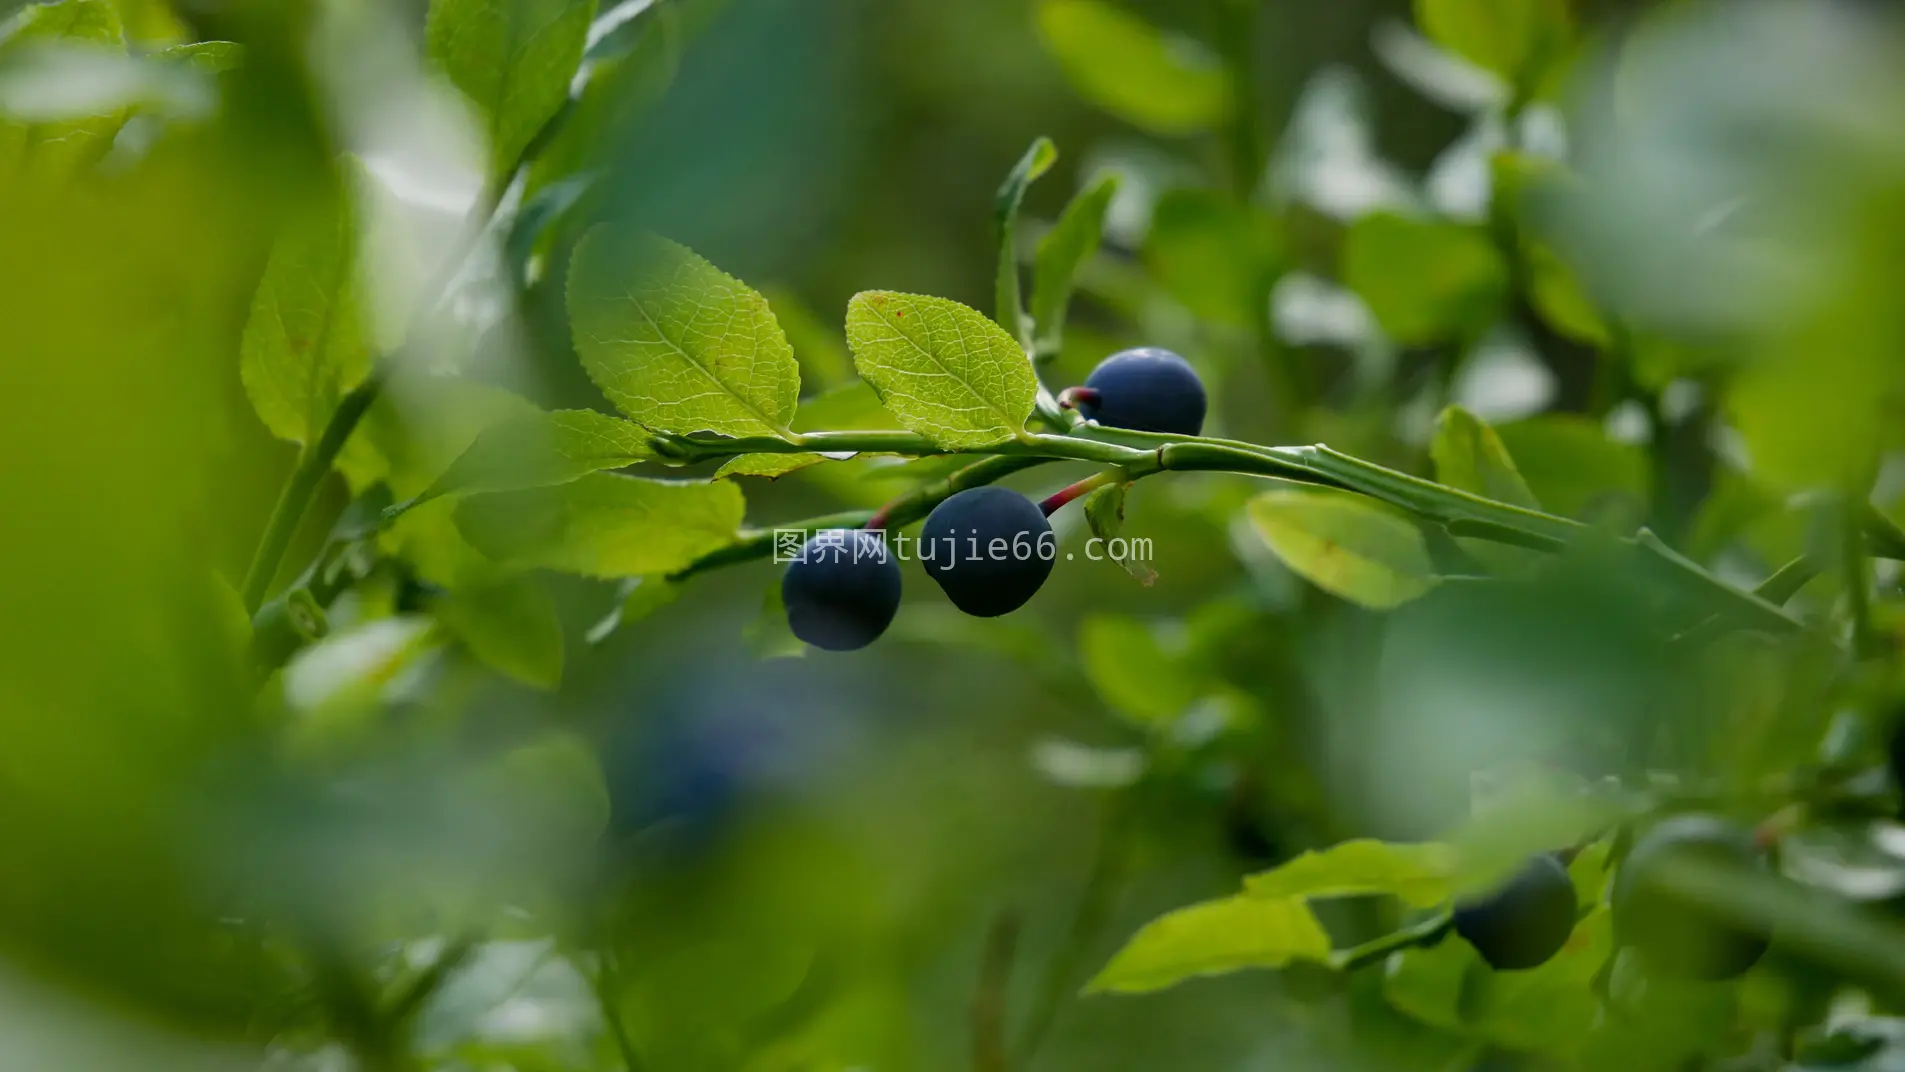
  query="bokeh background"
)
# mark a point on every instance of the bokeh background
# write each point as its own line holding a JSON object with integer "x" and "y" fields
{"x": 1656, "y": 249}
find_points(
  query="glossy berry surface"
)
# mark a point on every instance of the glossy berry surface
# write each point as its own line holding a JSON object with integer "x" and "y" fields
{"x": 1674, "y": 934}
{"x": 1147, "y": 390}
{"x": 843, "y": 590}
{"x": 1525, "y": 921}
{"x": 989, "y": 548}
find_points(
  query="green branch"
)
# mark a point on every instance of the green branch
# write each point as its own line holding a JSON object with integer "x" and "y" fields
{"x": 1426, "y": 933}
{"x": 314, "y": 463}
{"x": 1144, "y": 453}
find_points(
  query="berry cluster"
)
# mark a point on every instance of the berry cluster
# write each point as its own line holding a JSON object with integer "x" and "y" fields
{"x": 990, "y": 548}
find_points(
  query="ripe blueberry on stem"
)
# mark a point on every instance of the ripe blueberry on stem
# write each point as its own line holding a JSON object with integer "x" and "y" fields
{"x": 1676, "y": 934}
{"x": 843, "y": 590}
{"x": 989, "y": 548}
{"x": 1525, "y": 921}
{"x": 1146, "y": 390}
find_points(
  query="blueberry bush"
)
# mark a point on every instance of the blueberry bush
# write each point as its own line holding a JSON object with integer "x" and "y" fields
{"x": 1414, "y": 531}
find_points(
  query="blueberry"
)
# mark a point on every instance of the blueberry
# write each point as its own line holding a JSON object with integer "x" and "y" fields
{"x": 1523, "y": 922}
{"x": 1674, "y": 934}
{"x": 989, "y": 548}
{"x": 843, "y": 590}
{"x": 1147, "y": 390}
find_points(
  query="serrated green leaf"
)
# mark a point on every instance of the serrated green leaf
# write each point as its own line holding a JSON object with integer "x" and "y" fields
{"x": 1513, "y": 38}
{"x": 63, "y": 144}
{"x": 941, "y": 368}
{"x": 603, "y": 525}
{"x": 542, "y": 449}
{"x": 1345, "y": 544}
{"x": 1009, "y": 310}
{"x": 1420, "y": 875}
{"x": 305, "y": 345}
{"x": 676, "y": 343}
{"x": 514, "y": 60}
{"x": 1424, "y": 280}
{"x": 1070, "y": 243}
{"x": 1212, "y": 937}
{"x": 510, "y": 623}
{"x": 1165, "y": 84}
{"x": 1132, "y": 672}
{"x": 1104, "y": 515}
{"x": 1469, "y": 456}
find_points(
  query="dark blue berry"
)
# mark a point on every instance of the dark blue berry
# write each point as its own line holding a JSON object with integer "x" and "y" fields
{"x": 989, "y": 548}
{"x": 1147, "y": 390}
{"x": 843, "y": 590}
{"x": 1675, "y": 934}
{"x": 1525, "y": 921}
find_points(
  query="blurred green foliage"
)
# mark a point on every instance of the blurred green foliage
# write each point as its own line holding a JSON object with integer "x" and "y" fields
{"x": 403, "y": 398}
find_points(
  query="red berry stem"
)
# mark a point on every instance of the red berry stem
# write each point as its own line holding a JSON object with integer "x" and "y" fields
{"x": 1076, "y": 397}
{"x": 1059, "y": 498}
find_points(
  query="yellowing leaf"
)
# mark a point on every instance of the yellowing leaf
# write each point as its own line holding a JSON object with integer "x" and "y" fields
{"x": 1212, "y": 937}
{"x": 1416, "y": 874}
{"x": 941, "y": 368}
{"x": 1165, "y": 84}
{"x": 603, "y": 525}
{"x": 676, "y": 343}
{"x": 1345, "y": 544}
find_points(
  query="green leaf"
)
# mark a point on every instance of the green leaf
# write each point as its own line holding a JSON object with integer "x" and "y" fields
{"x": 1424, "y": 280}
{"x": 768, "y": 636}
{"x": 211, "y": 57}
{"x": 1218, "y": 258}
{"x": 1211, "y": 937}
{"x": 1469, "y": 457}
{"x": 674, "y": 342}
{"x": 1167, "y": 85}
{"x": 305, "y": 345}
{"x": 1010, "y": 310}
{"x": 603, "y": 525}
{"x": 1345, "y": 544}
{"x": 541, "y": 449}
{"x": 511, "y": 624}
{"x": 941, "y": 368}
{"x": 556, "y": 785}
{"x": 1572, "y": 466}
{"x": 1516, "y": 39}
{"x": 514, "y": 60}
{"x": 63, "y": 144}
{"x": 639, "y": 598}
{"x": 1420, "y": 875}
{"x": 1069, "y": 244}
{"x": 1132, "y": 672}
{"x": 1104, "y": 514}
